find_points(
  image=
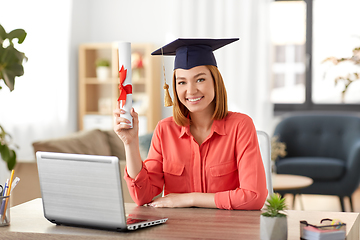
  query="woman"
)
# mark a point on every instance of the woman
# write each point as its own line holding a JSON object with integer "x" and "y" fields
{"x": 203, "y": 156}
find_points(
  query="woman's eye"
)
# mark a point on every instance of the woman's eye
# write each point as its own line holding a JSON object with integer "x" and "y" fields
{"x": 201, "y": 80}
{"x": 181, "y": 82}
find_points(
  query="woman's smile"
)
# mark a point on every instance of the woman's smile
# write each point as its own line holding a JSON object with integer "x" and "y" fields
{"x": 194, "y": 100}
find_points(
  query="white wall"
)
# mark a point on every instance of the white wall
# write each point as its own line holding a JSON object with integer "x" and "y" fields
{"x": 136, "y": 21}
{"x": 55, "y": 30}
{"x": 161, "y": 21}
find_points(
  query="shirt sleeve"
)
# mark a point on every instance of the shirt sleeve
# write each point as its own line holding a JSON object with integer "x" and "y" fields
{"x": 252, "y": 192}
{"x": 150, "y": 180}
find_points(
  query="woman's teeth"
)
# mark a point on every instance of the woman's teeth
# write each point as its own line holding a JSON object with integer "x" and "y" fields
{"x": 194, "y": 99}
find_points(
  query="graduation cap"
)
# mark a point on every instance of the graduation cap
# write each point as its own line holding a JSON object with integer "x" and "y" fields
{"x": 191, "y": 52}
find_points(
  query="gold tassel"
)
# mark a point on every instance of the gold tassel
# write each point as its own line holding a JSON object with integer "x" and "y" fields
{"x": 167, "y": 98}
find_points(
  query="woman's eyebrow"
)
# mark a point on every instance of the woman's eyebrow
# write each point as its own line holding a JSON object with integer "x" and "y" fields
{"x": 199, "y": 74}
{"x": 180, "y": 78}
{"x": 196, "y": 76}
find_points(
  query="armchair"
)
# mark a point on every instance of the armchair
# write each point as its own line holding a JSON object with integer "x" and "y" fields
{"x": 324, "y": 147}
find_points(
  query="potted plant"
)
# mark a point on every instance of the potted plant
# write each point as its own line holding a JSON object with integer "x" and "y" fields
{"x": 351, "y": 77}
{"x": 273, "y": 222}
{"x": 11, "y": 61}
{"x": 278, "y": 149}
{"x": 102, "y": 69}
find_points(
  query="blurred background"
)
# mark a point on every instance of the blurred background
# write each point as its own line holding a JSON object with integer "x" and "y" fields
{"x": 277, "y": 67}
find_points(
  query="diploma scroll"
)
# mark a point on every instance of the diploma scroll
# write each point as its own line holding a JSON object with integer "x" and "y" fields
{"x": 125, "y": 85}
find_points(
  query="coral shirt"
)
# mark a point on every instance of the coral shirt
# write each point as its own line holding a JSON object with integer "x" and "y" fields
{"x": 227, "y": 163}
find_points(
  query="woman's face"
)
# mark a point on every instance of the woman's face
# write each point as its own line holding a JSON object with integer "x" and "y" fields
{"x": 195, "y": 88}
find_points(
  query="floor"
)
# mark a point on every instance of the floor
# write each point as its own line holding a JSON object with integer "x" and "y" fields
{"x": 323, "y": 203}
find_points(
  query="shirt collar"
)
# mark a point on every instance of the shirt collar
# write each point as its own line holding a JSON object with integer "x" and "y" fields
{"x": 218, "y": 127}
{"x": 185, "y": 130}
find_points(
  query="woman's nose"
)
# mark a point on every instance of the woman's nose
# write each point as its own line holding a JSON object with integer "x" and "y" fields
{"x": 191, "y": 88}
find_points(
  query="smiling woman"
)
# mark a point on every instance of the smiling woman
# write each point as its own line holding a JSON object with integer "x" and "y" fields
{"x": 210, "y": 157}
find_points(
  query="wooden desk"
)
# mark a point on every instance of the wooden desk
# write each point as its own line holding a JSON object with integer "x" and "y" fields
{"x": 290, "y": 182}
{"x": 28, "y": 222}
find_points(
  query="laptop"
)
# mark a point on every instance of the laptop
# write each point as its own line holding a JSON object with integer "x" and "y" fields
{"x": 85, "y": 191}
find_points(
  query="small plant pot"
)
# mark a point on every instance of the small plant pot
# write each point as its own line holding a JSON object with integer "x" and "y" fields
{"x": 273, "y": 228}
{"x": 102, "y": 73}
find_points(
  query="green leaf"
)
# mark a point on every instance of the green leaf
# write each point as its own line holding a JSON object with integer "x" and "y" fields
{"x": 12, "y": 160}
{"x": 11, "y": 59}
{"x": 11, "y": 55}
{"x": 11, "y": 65}
{"x": 20, "y": 34}
{"x": 3, "y": 34}
{"x": 9, "y": 79}
{"x": 5, "y": 153}
{"x": 15, "y": 69}
{"x": 274, "y": 205}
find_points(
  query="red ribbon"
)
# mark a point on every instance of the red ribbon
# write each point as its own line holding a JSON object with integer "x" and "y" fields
{"x": 123, "y": 89}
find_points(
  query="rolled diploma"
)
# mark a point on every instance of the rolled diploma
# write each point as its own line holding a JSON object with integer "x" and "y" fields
{"x": 125, "y": 60}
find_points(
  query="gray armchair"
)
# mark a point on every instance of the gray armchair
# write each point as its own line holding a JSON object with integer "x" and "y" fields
{"x": 324, "y": 147}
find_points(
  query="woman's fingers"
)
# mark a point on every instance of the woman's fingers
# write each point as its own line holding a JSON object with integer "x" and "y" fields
{"x": 133, "y": 113}
{"x": 135, "y": 117}
{"x": 117, "y": 112}
{"x": 118, "y": 128}
{"x": 121, "y": 123}
{"x": 119, "y": 120}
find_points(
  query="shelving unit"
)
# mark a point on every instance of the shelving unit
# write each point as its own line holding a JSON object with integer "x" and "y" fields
{"x": 98, "y": 98}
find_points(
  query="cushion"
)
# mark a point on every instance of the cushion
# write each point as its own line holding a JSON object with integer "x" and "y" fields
{"x": 116, "y": 145}
{"x": 144, "y": 145}
{"x": 317, "y": 168}
{"x": 92, "y": 142}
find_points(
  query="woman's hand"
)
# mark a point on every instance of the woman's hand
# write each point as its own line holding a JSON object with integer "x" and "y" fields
{"x": 125, "y": 133}
{"x": 195, "y": 199}
{"x": 173, "y": 200}
{"x": 130, "y": 138}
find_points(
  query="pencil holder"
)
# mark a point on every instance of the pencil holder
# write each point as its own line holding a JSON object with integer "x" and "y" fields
{"x": 4, "y": 211}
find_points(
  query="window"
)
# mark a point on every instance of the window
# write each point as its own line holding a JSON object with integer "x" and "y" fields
{"x": 336, "y": 33}
{"x": 288, "y": 21}
{"x": 304, "y": 34}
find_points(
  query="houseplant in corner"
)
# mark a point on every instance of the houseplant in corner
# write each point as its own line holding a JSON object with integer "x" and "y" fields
{"x": 351, "y": 77}
{"x": 102, "y": 69}
{"x": 273, "y": 222}
{"x": 11, "y": 61}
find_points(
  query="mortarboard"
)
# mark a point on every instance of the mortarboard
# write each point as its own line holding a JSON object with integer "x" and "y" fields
{"x": 192, "y": 52}
{"x": 189, "y": 53}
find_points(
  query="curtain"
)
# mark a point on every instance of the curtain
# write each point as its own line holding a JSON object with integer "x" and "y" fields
{"x": 244, "y": 65}
{"x": 38, "y": 108}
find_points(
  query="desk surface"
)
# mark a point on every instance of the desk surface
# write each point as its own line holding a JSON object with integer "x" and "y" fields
{"x": 28, "y": 222}
{"x": 287, "y": 182}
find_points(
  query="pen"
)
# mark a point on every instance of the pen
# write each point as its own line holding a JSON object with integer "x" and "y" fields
{"x": 11, "y": 180}
{"x": 6, "y": 187}
{"x": 15, "y": 182}
{"x": 3, "y": 200}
